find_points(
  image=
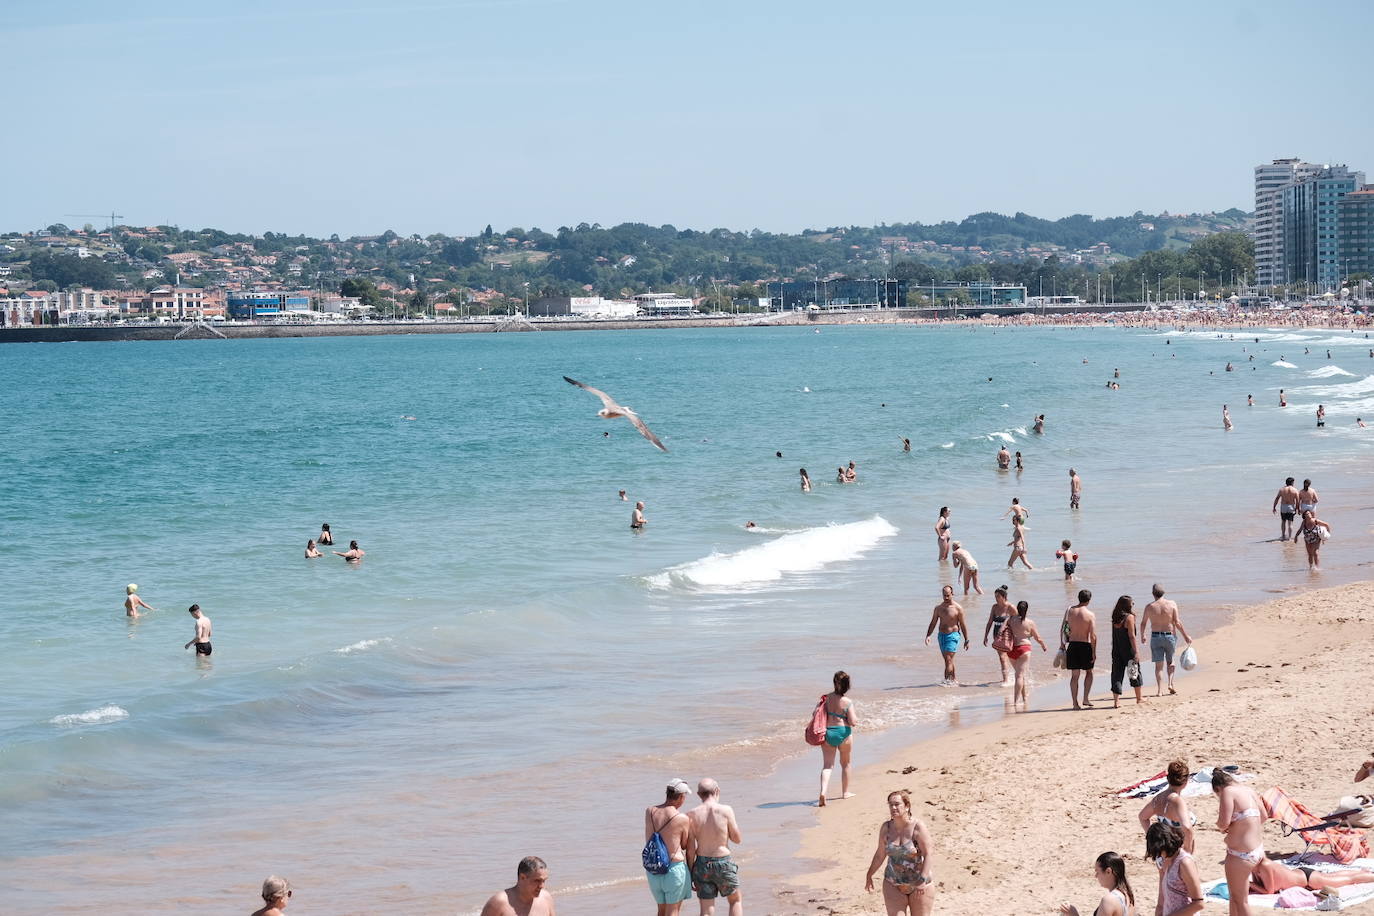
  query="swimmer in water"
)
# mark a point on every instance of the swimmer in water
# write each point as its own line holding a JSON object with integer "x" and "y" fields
{"x": 132, "y": 602}
{"x": 326, "y": 537}
{"x": 311, "y": 551}
{"x": 805, "y": 481}
{"x": 906, "y": 445}
{"x": 1225, "y": 417}
{"x": 748, "y": 525}
{"x": 1249, "y": 400}
{"x": 623, "y": 497}
{"x": 353, "y": 554}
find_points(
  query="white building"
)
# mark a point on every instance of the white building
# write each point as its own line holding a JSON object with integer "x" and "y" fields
{"x": 1270, "y": 180}
{"x": 582, "y": 307}
{"x": 663, "y": 304}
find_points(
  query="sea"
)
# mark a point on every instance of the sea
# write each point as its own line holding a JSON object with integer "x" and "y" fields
{"x": 511, "y": 670}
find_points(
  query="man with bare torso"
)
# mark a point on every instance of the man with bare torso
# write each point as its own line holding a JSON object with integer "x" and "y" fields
{"x": 1160, "y": 620}
{"x": 1003, "y": 458}
{"x": 202, "y": 637}
{"x": 949, "y": 616}
{"x": 713, "y": 829}
{"x": 1286, "y": 504}
{"x": 637, "y": 519}
{"x": 668, "y": 821}
{"x": 1075, "y": 488}
{"x": 528, "y": 897}
{"x": 1078, "y": 635}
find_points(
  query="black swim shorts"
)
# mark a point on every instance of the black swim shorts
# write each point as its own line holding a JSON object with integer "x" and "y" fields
{"x": 204, "y": 648}
{"x": 1079, "y": 656}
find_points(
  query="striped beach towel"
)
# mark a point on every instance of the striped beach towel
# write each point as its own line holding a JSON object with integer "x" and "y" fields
{"x": 1341, "y": 843}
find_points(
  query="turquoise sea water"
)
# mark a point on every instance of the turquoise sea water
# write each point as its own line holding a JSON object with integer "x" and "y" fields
{"x": 511, "y": 670}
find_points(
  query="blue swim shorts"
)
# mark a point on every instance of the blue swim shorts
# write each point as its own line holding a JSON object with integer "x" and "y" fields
{"x": 1162, "y": 647}
{"x": 673, "y": 887}
{"x": 950, "y": 642}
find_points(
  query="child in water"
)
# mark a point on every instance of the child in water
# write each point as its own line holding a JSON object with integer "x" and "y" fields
{"x": 1069, "y": 557}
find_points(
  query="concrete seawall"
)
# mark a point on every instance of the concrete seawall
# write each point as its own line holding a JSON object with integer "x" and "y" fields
{"x": 65, "y": 333}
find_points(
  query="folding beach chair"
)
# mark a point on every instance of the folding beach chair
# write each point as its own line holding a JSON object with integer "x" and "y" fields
{"x": 1319, "y": 834}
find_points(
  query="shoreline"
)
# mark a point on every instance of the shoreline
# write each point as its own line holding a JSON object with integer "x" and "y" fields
{"x": 1128, "y": 315}
{"x": 996, "y": 796}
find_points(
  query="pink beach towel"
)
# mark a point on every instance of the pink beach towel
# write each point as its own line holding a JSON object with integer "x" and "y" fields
{"x": 1296, "y": 898}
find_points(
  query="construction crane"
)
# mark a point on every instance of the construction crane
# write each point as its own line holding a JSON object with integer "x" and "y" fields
{"x": 111, "y": 216}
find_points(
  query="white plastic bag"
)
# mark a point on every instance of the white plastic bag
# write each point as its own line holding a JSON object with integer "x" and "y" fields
{"x": 1188, "y": 659}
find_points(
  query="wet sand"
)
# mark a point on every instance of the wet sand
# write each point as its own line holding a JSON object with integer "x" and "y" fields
{"x": 1019, "y": 808}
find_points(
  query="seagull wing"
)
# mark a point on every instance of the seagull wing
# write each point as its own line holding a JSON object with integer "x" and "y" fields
{"x": 605, "y": 398}
{"x": 645, "y": 431}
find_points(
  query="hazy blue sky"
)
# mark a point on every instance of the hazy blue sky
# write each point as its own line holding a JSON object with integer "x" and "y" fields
{"x": 356, "y": 116}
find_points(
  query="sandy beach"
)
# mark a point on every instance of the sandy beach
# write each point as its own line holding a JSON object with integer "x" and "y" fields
{"x": 1019, "y": 808}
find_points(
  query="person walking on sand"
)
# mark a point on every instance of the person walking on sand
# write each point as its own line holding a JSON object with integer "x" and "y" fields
{"x": 1160, "y": 619}
{"x": 904, "y": 843}
{"x": 1225, "y": 418}
{"x": 666, "y": 820}
{"x": 528, "y": 897}
{"x": 202, "y": 638}
{"x": 998, "y": 615}
{"x": 840, "y": 722}
{"x": 1110, "y": 871}
{"x": 949, "y": 617}
{"x": 805, "y": 481}
{"x": 1078, "y": 639}
{"x": 1180, "y": 886}
{"x": 966, "y": 566}
{"x": 1018, "y": 544}
{"x": 637, "y": 519}
{"x": 713, "y": 829}
{"x": 1075, "y": 488}
{"x": 132, "y": 602}
{"x": 1286, "y": 506}
{"x": 353, "y": 554}
{"x": 1023, "y": 630}
{"x": 1125, "y": 658}
{"x": 942, "y": 532}
{"x": 1314, "y": 532}
{"x": 276, "y": 894}
{"x": 1240, "y": 816}
{"x": 1169, "y": 805}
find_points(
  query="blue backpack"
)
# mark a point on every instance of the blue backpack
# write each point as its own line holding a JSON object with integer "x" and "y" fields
{"x": 655, "y": 854}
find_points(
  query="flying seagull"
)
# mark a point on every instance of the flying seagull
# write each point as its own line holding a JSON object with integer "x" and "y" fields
{"x": 613, "y": 410}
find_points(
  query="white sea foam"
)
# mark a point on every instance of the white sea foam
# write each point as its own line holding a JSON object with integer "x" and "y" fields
{"x": 1328, "y": 371}
{"x": 1282, "y": 364}
{"x": 801, "y": 551}
{"x": 1346, "y": 390}
{"x": 1005, "y": 437}
{"x": 948, "y": 445}
{"x": 363, "y": 645}
{"x": 96, "y": 716}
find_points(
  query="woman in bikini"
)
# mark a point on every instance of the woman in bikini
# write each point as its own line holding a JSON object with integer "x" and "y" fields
{"x": 1017, "y": 544}
{"x": 311, "y": 552}
{"x": 1270, "y": 877}
{"x": 1180, "y": 888}
{"x": 1110, "y": 871}
{"x": 1313, "y": 531}
{"x": 1022, "y": 632}
{"x": 1170, "y": 807}
{"x": 998, "y": 615}
{"x": 908, "y": 887}
{"x": 942, "y": 532}
{"x": 840, "y": 723}
{"x": 1241, "y": 817}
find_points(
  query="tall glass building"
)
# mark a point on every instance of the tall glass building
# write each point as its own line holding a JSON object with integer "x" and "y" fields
{"x": 1311, "y": 226}
{"x": 1357, "y": 232}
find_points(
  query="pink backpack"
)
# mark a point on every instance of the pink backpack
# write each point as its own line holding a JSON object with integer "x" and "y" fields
{"x": 815, "y": 729}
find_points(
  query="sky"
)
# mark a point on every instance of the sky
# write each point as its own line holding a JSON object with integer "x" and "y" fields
{"x": 424, "y": 116}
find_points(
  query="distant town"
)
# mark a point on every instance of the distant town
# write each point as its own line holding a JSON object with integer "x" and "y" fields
{"x": 1309, "y": 237}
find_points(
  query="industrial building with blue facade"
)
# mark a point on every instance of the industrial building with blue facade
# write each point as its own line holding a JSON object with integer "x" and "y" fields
{"x": 247, "y": 306}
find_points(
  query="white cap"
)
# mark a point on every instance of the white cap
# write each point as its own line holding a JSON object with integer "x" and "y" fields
{"x": 678, "y": 786}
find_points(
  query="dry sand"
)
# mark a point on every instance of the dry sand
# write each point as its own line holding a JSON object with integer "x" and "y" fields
{"x": 1018, "y": 809}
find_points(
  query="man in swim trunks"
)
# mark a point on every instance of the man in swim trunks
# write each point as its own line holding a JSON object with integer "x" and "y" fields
{"x": 1075, "y": 488}
{"x": 668, "y": 821}
{"x": 1321, "y": 416}
{"x": 637, "y": 519}
{"x": 1078, "y": 638}
{"x": 713, "y": 829}
{"x": 528, "y": 897}
{"x": 1286, "y": 504}
{"x": 1003, "y": 458}
{"x": 202, "y": 637}
{"x": 1160, "y": 620}
{"x": 949, "y": 616}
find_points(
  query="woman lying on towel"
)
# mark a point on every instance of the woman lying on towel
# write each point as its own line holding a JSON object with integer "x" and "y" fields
{"x": 1270, "y": 877}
